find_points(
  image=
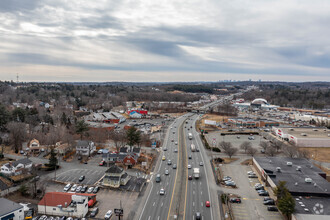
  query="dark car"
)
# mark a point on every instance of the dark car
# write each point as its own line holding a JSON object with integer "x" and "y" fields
{"x": 189, "y": 177}
{"x": 267, "y": 198}
{"x": 198, "y": 216}
{"x": 94, "y": 212}
{"x": 63, "y": 218}
{"x": 272, "y": 208}
{"x": 263, "y": 193}
{"x": 269, "y": 202}
{"x": 84, "y": 189}
{"x": 235, "y": 200}
{"x": 259, "y": 188}
{"x": 190, "y": 157}
{"x": 174, "y": 166}
{"x": 96, "y": 189}
{"x": 36, "y": 217}
{"x": 81, "y": 178}
{"x": 197, "y": 149}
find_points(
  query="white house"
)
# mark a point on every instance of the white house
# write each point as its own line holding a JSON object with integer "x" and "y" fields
{"x": 64, "y": 204}
{"x": 85, "y": 148}
{"x": 16, "y": 167}
{"x": 10, "y": 210}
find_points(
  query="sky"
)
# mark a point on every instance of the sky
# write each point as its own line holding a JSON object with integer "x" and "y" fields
{"x": 164, "y": 40}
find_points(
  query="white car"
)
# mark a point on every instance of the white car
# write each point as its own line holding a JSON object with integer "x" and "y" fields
{"x": 176, "y": 143}
{"x": 189, "y": 166}
{"x": 166, "y": 172}
{"x": 108, "y": 214}
{"x": 100, "y": 151}
{"x": 74, "y": 187}
{"x": 67, "y": 187}
{"x": 162, "y": 191}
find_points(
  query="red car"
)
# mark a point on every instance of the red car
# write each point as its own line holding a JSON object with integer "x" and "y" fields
{"x": 207, "y": 204}
{"x": 101, "y": 163}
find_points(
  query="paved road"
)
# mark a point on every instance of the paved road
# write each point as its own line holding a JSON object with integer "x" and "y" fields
{"x": 157, "y": 206}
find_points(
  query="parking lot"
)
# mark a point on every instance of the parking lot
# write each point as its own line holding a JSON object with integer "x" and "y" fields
{"x": 107, "y": 199}
{"x": 72, "y": 176}
{"x": 252, "y": 206}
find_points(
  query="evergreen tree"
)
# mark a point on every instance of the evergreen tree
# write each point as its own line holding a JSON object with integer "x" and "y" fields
{"x": 287, "y": 205}
{"x": 81, "y": 128}
{"x": 52, "y": 158}
{"x": 133, "y": 136}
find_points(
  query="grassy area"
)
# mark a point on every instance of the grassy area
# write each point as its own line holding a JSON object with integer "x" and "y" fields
{"x": 321, "y": 154}
{"x": 227, "y": 160}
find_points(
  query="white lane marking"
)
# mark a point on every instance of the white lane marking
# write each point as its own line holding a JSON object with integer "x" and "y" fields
{"x": 193, "y": 203}
{"x": 193, "y": 192}
{"x": 158, "y": 217}
{"x": 202, "y": 204}
{"x": 149, "y": 217}
{"x": 201, "y": 193}
{"x": 162, "y": 204}
{"x": 154, "y": 204}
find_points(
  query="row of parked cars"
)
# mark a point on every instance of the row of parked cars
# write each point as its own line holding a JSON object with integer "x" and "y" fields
{"x": 80, "y": 189}
{"x": 228, "y": 181}
{"x": 267, "y": 200}
{"x": 45, "y": 217}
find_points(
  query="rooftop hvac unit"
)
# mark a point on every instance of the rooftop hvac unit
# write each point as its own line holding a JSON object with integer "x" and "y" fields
{"x": 278, "y": 169}
{"x": 289, "y": 163}
{"x": 303, "y": 134}
{"x": 298, "y": 168}
{"x": 308, "y": 180}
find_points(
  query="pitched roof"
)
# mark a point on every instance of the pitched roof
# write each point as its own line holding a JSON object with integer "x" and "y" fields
{"x": 23, "y": 161}
{"x": 56, "y": 198}
{"x": 8, "y": 206}
{"x": 114, "y": 169}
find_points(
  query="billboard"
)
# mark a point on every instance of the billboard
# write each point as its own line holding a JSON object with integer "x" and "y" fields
{"x": 210, "y": 122}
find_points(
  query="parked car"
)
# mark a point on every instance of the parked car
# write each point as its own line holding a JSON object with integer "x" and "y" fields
{"x": 96, "y": 189}
{"x": 226, "y": 178}
{"x": 108, "y": 214}
{"x": 36, "y": 217}
{"x": 90, "y": 189}
{"x": 67, "y": 187}
{"x": 267, "y": 198}
{"x": 235, "y": 200}
{"x": 272, "y": 208}
{"x": 252, "y": 176}
{"x": 83, "y": 189}
{"x": 102, "y": 163}
{"x": 78, "y": 189}
{"x": 74, "y": 187}
{"x": 81, "y": 178}
{"x": 94, "y": 212}
{"x": 162, "y": 191}
{"x": 263, "y": 193}
{"x": 269, "y": 202}
{"x": 100, "y": 151}
{"x": 230, "y": 183}
{"x": 69, "y": 218}
{"x": 260, "y": 187}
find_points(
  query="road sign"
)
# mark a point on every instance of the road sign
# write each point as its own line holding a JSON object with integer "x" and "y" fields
{"x": 119, "y": 211}
{"x": 144, "y": 163}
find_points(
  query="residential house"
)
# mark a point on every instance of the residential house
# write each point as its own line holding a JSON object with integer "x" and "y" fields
{"x": 62, "y": 148}
{"x": 115, "y": 177}
{"x": 64, "y": 204}
{"x": 16, "y": 167}
{"x": 85, "y": 148}
{"x": 10, "y": 210}
{"x": 137, "y": 151}
{"x": 130, "y": 159}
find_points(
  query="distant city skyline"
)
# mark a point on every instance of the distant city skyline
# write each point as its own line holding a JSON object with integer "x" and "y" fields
{"x": 164, "y": 41}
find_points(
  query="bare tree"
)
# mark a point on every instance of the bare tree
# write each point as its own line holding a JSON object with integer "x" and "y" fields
{"x": 264, "y": 145}
{"x": 245, "y": 146}
{"x": 277, "y": 145}
{"x": 119, "y": 138}
{"x": 271, "y": 151}
{"x": 17, "y": 134}
{"x": 231, "y": 151}
{"x": 225, "y": 145}
{"x": 252, "y": 151}
{"x": 302, "y": 153}
{"x": 290, "y": 151}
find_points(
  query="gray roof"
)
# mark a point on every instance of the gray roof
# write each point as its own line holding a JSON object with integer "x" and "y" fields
{"x": 8, "y": 206}
{"x": 3, "y": 185}
{"x": 83, "y": 143}
{"x": 295, "y": 180}
{"x": 114, "y": 169}
{"x": 23, "y": 161}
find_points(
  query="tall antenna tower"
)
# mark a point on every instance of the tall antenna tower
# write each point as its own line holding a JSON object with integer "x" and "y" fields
{"x": 17, "y": 78}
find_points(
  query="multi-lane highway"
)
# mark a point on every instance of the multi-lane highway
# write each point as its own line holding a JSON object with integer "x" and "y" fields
{"x": 157, "y": 206}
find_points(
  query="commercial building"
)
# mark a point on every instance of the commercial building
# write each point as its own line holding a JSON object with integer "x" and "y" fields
{"x": 106, "y": 117}
{"x": 304, "y": 181}
{"x": 304, "y": 136}
{"x": 258, "y": 103}
{"x": 10, "y": 210}
{"x": 251, "y": 123}
{"x": 65, "y": 204}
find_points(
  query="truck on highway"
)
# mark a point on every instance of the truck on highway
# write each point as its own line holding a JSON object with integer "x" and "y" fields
{"x": 190, "y": 136}
{"x": 196, "y": 173}
{"x": 192, "y": 147}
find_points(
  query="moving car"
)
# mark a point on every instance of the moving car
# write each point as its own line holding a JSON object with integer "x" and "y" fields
{"x": 175, "y": 150}
{"x": 189, "y": 166}
{"x": 162, "y": 191}
{"x": 81, "y": 178}
{"x": 163, "y": 158}
{"x": 174, "y": 166}
{"x": 165, "y": 149}
{"x": 102, "y": 163}
{"x": 197, "y": 149}
{"x": 157, "y": 178}
{"x": 235, "y": 200}
{"x": 100, "y": 151}
{"x": 108, "y": 214}
{"x": 190, "y": 177}
{"x": 198, "y": 216}
{"x": 207, "y": 204}
{"x": 94, "y": 212}
{"x": 189, "y": 156}
{"x": 201, "y": 163}
{"x": 169, "y": 162}
{"x": 176, "y": 143}
{"x": 166, "y": 172}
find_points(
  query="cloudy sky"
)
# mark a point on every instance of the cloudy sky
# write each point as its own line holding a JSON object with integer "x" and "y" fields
{"x": 164, "y": 40}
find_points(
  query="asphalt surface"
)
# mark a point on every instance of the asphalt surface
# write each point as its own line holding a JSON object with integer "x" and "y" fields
{"x": 157, "y": 206}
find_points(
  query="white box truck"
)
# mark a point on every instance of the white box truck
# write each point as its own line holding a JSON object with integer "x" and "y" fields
{"x": 192, "y": 148}
{"x": 196, "y": 173}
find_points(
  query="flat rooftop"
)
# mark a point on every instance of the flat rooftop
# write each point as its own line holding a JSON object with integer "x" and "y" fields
{"x": 295, "y": 180}
{"x": 310, "y": 132}
{"x": 312, "y": 205}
